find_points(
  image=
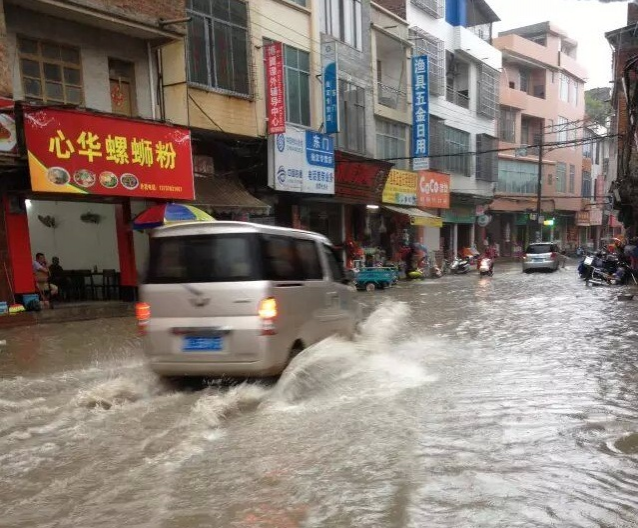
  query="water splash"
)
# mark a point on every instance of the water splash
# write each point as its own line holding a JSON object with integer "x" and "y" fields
{"x": 117, "y": 391}
{"x": 213, "y": 407}
{"x": 337, "y": 368}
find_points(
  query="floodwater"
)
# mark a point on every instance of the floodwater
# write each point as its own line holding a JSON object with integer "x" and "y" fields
{"x": 505, "y": 401}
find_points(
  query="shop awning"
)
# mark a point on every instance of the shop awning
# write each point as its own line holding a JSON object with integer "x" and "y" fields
{"x": 226, "y": 194}
{"x": 417, "y": 216}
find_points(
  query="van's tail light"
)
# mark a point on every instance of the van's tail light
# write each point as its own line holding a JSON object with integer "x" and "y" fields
{"x": 553, "y": 256}
{"x": 143, "y": 316}
{"x": 267, "y": 314}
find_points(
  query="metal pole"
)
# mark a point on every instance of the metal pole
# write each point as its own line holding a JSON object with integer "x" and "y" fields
{"x": 539, "y": 232}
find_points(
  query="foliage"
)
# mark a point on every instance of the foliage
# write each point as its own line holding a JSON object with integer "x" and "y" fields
{"x": 597, "y": 109}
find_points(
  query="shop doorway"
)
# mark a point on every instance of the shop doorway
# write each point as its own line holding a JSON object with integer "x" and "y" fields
{"x": 80, "y": 243}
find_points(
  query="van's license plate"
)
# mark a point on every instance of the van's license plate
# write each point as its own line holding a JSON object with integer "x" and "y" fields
{"x": 203, "y": 344}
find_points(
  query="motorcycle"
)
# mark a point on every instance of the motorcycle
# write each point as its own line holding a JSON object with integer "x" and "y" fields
{"x": 460, "y": 266}
{"x": 486, "y": 267}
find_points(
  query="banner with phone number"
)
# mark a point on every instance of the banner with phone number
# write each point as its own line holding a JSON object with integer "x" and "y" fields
{"x": 77, "y": 152}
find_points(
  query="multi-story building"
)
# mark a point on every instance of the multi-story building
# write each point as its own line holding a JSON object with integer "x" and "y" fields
{"x": 80, "y": 85}
{"x": 542, "y": 101}
{"x": 623, "y": 167}
{"x": 463, "y": 105}
{"x": 594, "y": 220}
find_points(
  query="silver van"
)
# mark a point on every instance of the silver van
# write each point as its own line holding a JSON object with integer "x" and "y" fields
{"x": 240, "y": 299}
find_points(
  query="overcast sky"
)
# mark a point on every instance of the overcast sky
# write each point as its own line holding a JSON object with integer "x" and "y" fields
{"x": 584, "y": 20}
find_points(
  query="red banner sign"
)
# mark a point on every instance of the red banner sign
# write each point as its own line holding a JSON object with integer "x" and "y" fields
{"x": 275, "y": 91}
{"x": 83, "y": 153}
{"x": 360, "y": 179}
{"x": 433, "y": 190}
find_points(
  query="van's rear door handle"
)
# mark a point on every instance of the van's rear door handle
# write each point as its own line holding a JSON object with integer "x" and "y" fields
{"x": 288, "y": 284}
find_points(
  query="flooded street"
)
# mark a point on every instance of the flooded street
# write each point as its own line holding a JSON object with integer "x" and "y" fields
{"x": 505, "y": 401}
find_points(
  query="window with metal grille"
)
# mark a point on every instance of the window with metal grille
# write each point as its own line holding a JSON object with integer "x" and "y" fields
{"x": 507, "y": 125}
{"x": 561, "y": 129}
{"x": 391, "y": 142}
{"x": 488, "y": 92}
{"x": 561, "y": 177}
{"x": 457, "y": 145}
{"x": 486, "y": 161}
{"x": 434, "y": 48}
{"x": 572, "y": 178}
{"x": 352, "y": 110}
{"x": 218, "y": 53}
{"x": 517, "y": 177}
{"x": 50, "y": 72}
{"x": 586, "y": 185}
{"x": 437, "y": 143}
{"x": 434, "y": 8}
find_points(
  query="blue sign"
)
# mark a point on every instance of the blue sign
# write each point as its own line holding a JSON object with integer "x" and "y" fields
{"x": 330, "y": 87}
{"x": 420, "y": 107}
{"x": 302, "y": 161}
{"x": 320, "y": 150}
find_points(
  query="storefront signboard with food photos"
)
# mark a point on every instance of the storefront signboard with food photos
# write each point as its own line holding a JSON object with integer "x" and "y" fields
{"x": 77, "y": 152}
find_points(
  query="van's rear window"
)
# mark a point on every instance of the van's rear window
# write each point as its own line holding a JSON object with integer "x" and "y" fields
{"x": 204, "y": 258}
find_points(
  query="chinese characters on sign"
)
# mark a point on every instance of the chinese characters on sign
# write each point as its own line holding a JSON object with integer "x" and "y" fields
{"x": 582, "y": 218}
{"x": 360, "y": 178}
{"x": 400, "y": 188}
{"x": 116, "y": 149}
{"x": 275, "y": 91}
{"x": 420, "y": 112}
{"x": 434, "y": 190}
{"x": 78, "y": 152}
{"x": 302, "y": 161}
{"x": 330, "y": 87}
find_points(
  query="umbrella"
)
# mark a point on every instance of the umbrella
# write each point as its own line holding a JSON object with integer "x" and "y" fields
{"x": 169, "y": 213}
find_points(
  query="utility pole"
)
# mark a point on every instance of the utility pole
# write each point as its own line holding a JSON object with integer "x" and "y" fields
{"x": 539, "y": 232}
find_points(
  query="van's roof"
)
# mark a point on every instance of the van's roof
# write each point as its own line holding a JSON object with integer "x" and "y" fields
{"x": 203, "y": 228}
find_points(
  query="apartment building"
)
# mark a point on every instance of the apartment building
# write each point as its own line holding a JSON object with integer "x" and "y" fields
{"x": 456, "y": 35}
{"x": 541, "y": 101}
{"x": 624, "y": 43}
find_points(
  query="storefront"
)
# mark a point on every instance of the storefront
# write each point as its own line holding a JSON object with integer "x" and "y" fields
{"x": 220, "y": 191}
{"x": 589, "y": 224}
{"x": 369, "y": 233}
{"x": 409, "y": 223}
{"x": 89, "y": 174}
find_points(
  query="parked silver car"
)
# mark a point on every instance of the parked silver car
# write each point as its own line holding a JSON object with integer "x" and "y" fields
{"x": 234, "y": 298}
{"x": 542, "y": 256}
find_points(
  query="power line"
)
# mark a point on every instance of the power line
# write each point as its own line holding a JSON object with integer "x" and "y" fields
{"x": 557, "y": 144}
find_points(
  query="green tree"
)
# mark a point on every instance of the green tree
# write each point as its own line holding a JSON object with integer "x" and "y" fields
{"x": 597, "y": 106}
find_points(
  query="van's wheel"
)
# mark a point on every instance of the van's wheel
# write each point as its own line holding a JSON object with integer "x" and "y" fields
{"x": 370, "y": 286}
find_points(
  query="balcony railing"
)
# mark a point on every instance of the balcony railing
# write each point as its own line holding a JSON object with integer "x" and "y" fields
{"x": 457, "y": 98}
{"x": 391, "y": 97}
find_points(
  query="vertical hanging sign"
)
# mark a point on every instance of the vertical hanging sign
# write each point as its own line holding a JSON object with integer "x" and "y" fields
{"x": 330, "y": 87}
{"x": 420, "y": 113}
{"x": 275, "y": 91}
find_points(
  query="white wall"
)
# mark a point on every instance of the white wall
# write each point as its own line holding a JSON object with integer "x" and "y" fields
{"x": 78, "y": 245}
{"x": 474, "y": 51}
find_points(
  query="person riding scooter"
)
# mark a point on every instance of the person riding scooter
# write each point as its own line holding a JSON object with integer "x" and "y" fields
{"x": 486, "y": 264}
